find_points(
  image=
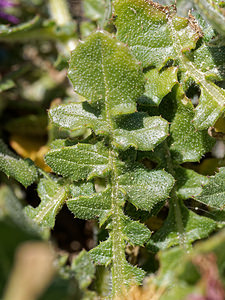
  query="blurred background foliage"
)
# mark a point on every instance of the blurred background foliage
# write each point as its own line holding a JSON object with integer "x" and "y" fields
{"x": 36, "y": 37}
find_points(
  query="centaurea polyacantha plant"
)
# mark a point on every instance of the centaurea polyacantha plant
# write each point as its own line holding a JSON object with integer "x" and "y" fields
{"x": 140, "y": 129}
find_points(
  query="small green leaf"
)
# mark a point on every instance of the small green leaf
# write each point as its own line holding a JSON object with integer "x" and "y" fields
{"x": 103, "y": 70}
{"x": 145, "y": 188}
{"x": 213, "y": 193}
{"x": 186, "y": 144}
{"x": 73, "y": 116}
{"x": 91, "y": 206}
{"x": 182, "y": 227}
{"x": 158, "y": 85}
{"x": 189, "y": 183}
{"x": 133, "y": 274}
{"x": 102, "y": 254}
{"x": 140, "y": 131}
{"x": 135, "y": 232}
{"x": 84, "y": 269}
{"x": 79, "y": 161}
{"x": 12, "y": 165}
{"x": 211, "y": 106}
{"x": 52, "y": 197}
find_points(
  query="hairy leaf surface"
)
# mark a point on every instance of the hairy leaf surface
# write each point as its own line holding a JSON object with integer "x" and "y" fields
{"x": 52, "y": 197}
{"x": 189, "y": 183}
{"x": 140, "y": 131}
{"x": 145, "y": 188}
{"x": 158, "y": 85}
{"x": 73, "y": 116}
{"x": 156, "y": 35}
{"x": 96, "y": 205}
{"x": 12, "y": 165}
{"x": 186, "y": 144}
{"x": 213, "y": 193}
{"x": 79, "y": 161}
{"x": 181, "y": 227}
{"x": 103, "y": 70}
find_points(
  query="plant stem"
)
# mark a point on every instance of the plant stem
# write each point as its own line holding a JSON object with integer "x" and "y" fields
{"x": 59, "y": 12}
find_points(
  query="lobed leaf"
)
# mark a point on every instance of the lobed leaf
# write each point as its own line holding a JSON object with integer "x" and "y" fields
{"x": 83, "y": 268}
{"x": 186, "y": 144}
{"x": 135, "y": 232}
{"x": 133, "y": 274}
{"x": 189, "y": 183}
{"x": 140, "y": 131}
{"x": 52, "y": 197}
{"x": 213, "y": 193}
{"x": 211, "y": 105}
{"x": 102, "y": 254}
{"x": 96, "y": 205}
{"x": 103, "y": 71}
{"x": 73, "y": 116}
{"x": 158, "y": 85}
{"x": 79, "y": 161}
{"x": 145, "y": 188}
{"x": 12, "y": 165}
{"x": 182, "y": 227}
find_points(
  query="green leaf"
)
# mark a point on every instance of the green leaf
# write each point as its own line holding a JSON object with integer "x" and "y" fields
{"x": 83, "y": 268}
{"x": 140, "y": 131}
{"x": 133, "y": 274}
{"x": 146, "y": 28}
{"x": 189, "y": 183}
{"x": 79, "y": 161}
{"x": 182, "y": 227}
{"x": 135, "y": 232}
{"x": 52, "y": 197}
{"x": 102, "y": 254}
{"x": 210, "y": 60}
{"x": 158, "y": 85}
{"x": 213, "y": 193}
{"x": 12, "y": 165}
{"x": 74, "y": 116}
{"x": 103, "y": 70}
{"x": 93, "y": 206}
{"x": 156, "y": 35}
{"x": 211, "y": 105}
{"x": 186, "y": 144}
{"x": 84, "y": 189}
{"x": 145, "y": 188}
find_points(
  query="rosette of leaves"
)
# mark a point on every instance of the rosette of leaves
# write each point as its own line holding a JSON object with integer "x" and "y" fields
{"x": 103, "y": 70}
